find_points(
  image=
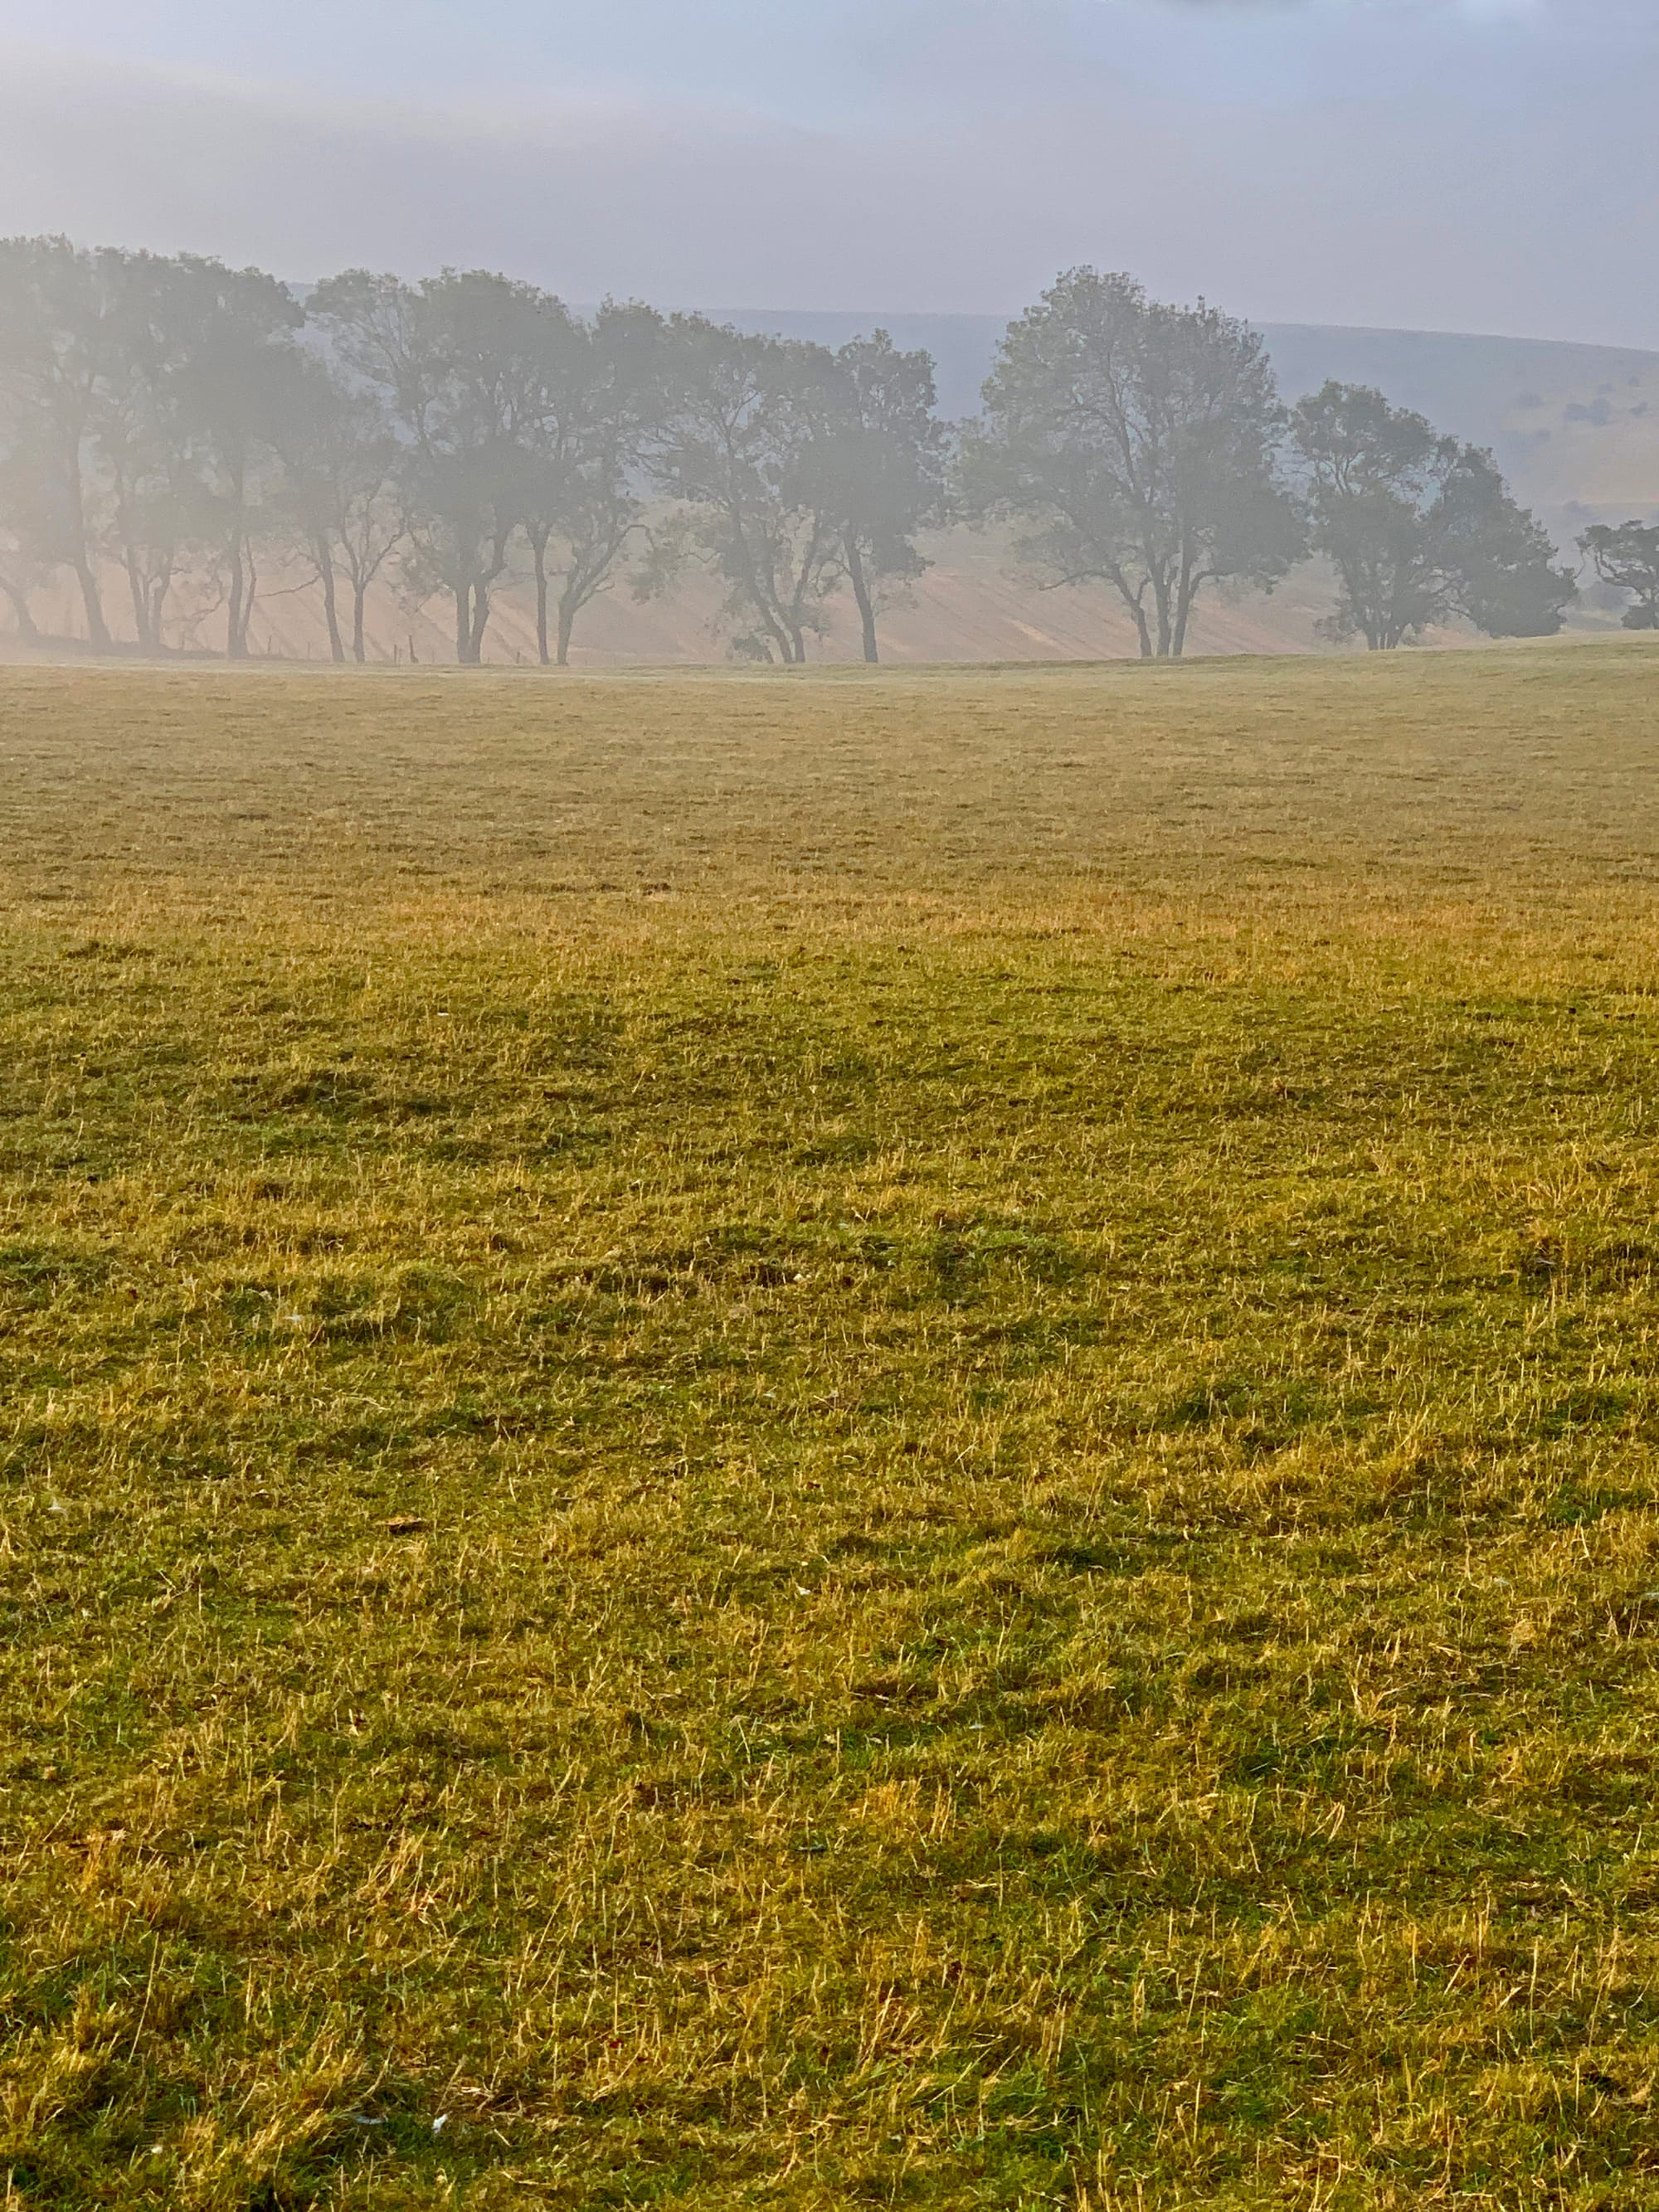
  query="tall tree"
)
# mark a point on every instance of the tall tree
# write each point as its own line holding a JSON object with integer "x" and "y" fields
{"x": 56, "y": 318}
{"x": 598, "y": 407}
{"x": 134, "y": 391}
{"x": 1419, "y": 528}
{"x": 560, "y": 370}
{"x": 749, "y": 420}
{"x": 142, "y": 442}
{"x": 237, "y": 368}
{"x": 1626, "y": 556}
{"x": 341, "y": 463}
{"x": 1137, "y": 446}
{"x": 456, "y": 359}
{"x": 880, "y": 470}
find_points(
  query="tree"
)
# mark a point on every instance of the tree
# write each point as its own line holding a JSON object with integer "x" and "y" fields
{"x": 555, "y": 419}
{"x": 456, "y": 360}
{"x": 235, "y": 380}
{"x": 597, "y": 408}
{"x": 1419, "y": 528}
{"x": 55, "y": 335}
{"x": 20, "y": 573}
{"x": 1627, "y": 557}
{"x": 341, "y": 463}
{"x": 801, "y": 471}
{"x": 879, "y": 470}
{"x": 141, "y": 441}
{"x": 25, "y": 563}
{"x": 1139, "y": 445}
{"x": 136, "y": 395}
{"x": 747, "y": 424}
{"x": 487, "y": 342}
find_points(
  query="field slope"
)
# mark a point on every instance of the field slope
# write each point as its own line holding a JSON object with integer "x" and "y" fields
{"x": 861, "y": 1440}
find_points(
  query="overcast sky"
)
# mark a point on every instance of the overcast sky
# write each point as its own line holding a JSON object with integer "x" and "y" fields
{"x": 1484, "y": 165}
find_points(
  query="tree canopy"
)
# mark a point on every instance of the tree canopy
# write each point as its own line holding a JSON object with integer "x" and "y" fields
{"x": 1626, "y": 556}
{"x": 1419, "y": 528}
{"x": 797, "y": 470}
{"x": 1137, "y": 446}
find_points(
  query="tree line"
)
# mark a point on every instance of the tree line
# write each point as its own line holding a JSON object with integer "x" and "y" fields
{"x": 174, "y": 432}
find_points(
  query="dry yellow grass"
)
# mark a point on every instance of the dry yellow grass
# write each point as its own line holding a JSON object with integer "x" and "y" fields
{"x": 854, "y": 1439}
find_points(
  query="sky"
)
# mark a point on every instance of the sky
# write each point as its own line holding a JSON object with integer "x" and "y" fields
{"x": 1466, "y": 165}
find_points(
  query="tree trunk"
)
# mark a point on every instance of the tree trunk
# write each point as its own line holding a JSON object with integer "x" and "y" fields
{"x": 1161, "y": 601}
{"x": 240, "y": 613}
{"x": 463, "y": 623}
{"x": 865, "y": 604}
{"x": 480, "y": 624}
{"x": 1183, "y": 615}
{"x": 75, "y": 513}
{"x": 156, "y": 599}
{"x": 567, "y": 625}
{"x": 1186, "y": 592}
{"x": 324, "y": 560}
{"x": 97, "y": 628}
{"x": 774, "y": 625}
{"x": 359, "y": 643}
{"x": 236, "y": 616}
{"x": 236, "y": 640}
{"x": 140, "y": 600}
{"x": 538, "y": 550}
{"x": 19, "y": 607}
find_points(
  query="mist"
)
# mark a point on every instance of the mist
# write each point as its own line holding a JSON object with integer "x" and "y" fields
{"x": 1441, "y": 167}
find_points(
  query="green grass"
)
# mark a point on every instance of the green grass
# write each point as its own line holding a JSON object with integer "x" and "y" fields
{"x": 795, "y": 1443}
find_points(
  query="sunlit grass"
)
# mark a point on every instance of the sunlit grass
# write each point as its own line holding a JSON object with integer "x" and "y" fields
{"x": 800, "y": 1442}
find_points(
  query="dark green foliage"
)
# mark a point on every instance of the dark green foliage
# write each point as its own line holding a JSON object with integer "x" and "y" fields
{"x": 1420, "y": 529}
{"x": 1139, "y": 445}
{"x": 797, "y": 471}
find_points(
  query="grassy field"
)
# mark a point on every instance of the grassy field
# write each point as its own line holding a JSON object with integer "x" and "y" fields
{"x": 859, "y": 1440}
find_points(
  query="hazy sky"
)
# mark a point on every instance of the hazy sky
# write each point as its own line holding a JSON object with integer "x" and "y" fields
{"x": 1487, "y": 165}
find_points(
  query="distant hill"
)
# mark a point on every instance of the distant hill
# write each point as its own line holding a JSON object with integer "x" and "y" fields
{"x": 1574, "y": 428}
